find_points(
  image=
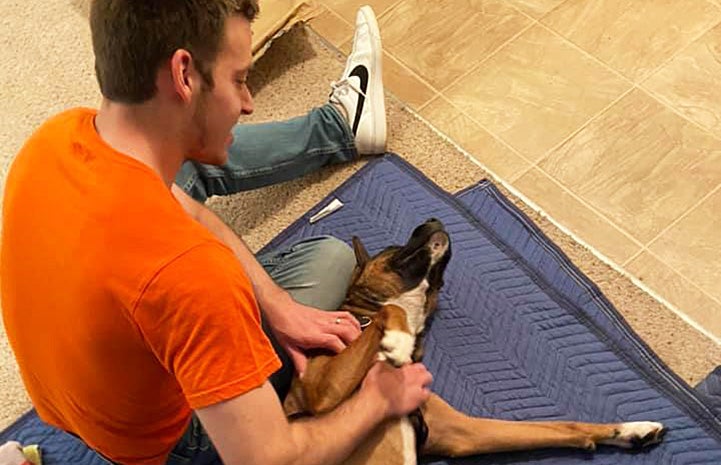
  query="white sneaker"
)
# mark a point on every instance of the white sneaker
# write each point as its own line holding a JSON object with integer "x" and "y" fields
{"x": 360, "y": 90}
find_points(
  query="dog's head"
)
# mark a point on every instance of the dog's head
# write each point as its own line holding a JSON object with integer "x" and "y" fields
{"x": 409, "y": 275}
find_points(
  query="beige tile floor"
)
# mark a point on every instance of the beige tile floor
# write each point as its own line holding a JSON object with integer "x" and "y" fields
{"x": 606, "y": 114}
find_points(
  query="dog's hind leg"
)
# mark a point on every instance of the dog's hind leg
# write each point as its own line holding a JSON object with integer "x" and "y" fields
{"x": 454, "y": 434}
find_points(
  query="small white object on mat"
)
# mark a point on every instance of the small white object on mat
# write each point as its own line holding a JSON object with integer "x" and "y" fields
{"x": 335, "y": 205}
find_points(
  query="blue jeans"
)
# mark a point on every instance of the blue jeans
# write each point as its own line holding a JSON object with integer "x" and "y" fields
{"x": 270, "y": 153}
{"x": 315, "y": 271}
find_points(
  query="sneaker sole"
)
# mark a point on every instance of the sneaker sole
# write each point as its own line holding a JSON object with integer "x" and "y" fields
{"x": 377, "y": 100}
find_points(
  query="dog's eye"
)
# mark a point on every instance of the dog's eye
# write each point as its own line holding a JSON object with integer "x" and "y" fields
{"x": 412, "y": 269}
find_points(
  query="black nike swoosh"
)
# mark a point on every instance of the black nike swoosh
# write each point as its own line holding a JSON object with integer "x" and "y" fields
{"x": 361, "y": 72}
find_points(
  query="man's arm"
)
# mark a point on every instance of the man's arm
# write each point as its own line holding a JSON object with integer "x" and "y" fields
{"x": 270, "y": 296}
{"x": 252, "y": 429}
{"x": 296, "y": 326}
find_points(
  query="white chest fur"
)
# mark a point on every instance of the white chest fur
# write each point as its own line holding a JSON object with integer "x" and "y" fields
{"x": 414, "y": 303}
{"x": 398, "y": 346}
{"x": 408, "y": 436}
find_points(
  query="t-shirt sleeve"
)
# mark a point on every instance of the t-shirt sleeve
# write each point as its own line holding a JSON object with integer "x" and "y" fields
{"x": 199, "y": 316}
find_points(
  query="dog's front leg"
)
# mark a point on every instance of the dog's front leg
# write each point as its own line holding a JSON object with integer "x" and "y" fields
{"x": 330, "y": 379}
{"x": 398, "y": 343}
{"x": 454, "y": 434}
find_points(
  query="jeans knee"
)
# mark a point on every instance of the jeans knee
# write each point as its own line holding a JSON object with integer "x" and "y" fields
{"x": 333, "y": 264}
{"x": 337, "y": 250}
{"x": 339, "y": 260}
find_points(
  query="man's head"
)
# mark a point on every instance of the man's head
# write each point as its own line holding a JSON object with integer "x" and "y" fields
{"x": 195, "y": 52}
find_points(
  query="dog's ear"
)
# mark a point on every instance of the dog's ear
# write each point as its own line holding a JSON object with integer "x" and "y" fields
{"x": 361, "y": 254}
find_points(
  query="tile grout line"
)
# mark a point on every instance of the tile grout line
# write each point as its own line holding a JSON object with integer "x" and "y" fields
{"x": 487, "y": 130}
{"x": 619, "y": 268}
{"x": 433, "y": 99}
{"x": 390, "y": 7}
{"x": 611, "y": 263}
{"x": 413, "y": 74}
{"x": 522, "y": 173}
{"x": 401, "y": 63}
{"x": 678, "y": 52}
{"x": 689, "y": 282}
{"x": 685, "y": 278}
{"x": 682, "y": 216}
{"x": 488, "y": 57}
{"x": 642, "y": 83}
{"x": 673, "y": 308}
{"x": 635, "y": 85}
{"x": 660, "y": 99}
{"x": 536, "y": 165}
{"x": 634, "y": 256}
{"x": 337, "y": 17}
{"x": 646, "y": 76}
{"x": 639, "y": 84}
{"x": 586, "y": 53}
{"x": 672, "y": 269}
{"x": 591, "y": 208}
{"x": 593, "y": 118}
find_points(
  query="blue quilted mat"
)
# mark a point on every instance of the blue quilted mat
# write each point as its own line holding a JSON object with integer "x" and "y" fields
{"x": 519, "y": 333}
{"x": 710, "y": 389}
{"x": 57, "y": 447}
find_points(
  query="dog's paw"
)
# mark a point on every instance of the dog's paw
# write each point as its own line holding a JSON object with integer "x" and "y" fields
{"x": 397, "y": 347}
{"x": 637, "y": 434}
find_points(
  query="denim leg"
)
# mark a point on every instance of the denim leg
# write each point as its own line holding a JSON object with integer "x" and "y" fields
{"x": 194, "y": 448}
{"x": 270, "y": 153}
{"x": 316, "y": 272}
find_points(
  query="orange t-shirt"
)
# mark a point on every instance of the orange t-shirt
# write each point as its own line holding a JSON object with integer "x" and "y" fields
{"x": 123, "y": 312}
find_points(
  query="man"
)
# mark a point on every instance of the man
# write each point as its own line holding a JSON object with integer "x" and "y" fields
{"x": 352, "y": 122}
{"x": 133, "y": 314}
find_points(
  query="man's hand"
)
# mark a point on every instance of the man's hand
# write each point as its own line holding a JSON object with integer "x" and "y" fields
{"x": 401, "y": 389}
{"x": 299, "y": 328}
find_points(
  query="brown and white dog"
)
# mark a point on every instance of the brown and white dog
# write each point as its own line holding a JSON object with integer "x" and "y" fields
{"x": 395, "y": 292}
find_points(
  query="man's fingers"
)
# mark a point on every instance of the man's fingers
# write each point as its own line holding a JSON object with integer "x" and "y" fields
{"x": 300, "y": 361}
{"x": 330, "y": 342}
{"x": 347, "y": 334}
{"x": 345, "y": 326}
{"x": 348, "y": 318}
{"x": 420, "y": 370}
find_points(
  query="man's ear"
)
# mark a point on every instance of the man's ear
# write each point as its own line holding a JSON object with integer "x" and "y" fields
{"x": 184, "y": 77}
{"x": 361, "y": 254}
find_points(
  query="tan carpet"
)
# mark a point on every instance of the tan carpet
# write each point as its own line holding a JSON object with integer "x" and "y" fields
{"x": 48, "y": 67}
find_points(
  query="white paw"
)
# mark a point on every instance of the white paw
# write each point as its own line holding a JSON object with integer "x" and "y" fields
{"x": 637, "y": 434}
{"x": 397, "y": 347}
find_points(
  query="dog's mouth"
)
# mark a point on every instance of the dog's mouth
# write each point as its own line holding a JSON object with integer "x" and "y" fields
{"x": 398, "y": 270}
{"x": 425, "y": 255}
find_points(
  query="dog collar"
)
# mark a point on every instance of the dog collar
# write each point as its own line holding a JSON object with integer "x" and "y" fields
{"x": 421, "y": 429}
{"x": 363, "y": 320}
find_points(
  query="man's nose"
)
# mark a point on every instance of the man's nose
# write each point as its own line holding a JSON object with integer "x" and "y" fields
{"x": 246, "y": 105}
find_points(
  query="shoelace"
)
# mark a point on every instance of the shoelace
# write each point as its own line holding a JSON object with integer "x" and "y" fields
{"x": 342, "y": 87}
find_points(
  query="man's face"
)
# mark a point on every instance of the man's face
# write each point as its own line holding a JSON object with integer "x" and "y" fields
{"x": 218, "y": 110}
